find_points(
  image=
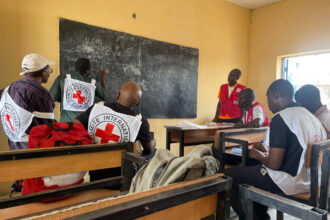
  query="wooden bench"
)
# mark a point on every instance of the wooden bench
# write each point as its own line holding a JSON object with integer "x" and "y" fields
{"x": 187, "y": 200}
{"x": 317, "y": 200}
{"x": 240, "y": 137}
{"x": 31, "y": 163}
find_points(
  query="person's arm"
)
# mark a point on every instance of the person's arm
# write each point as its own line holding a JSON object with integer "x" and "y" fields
{"x": 260, "y": 147}
{"x": 239, "y": 124}
{"x": 76, "y": 121}
{"x": 99, "y": 93}
{"x": 278, "y": 141}
{"x": 83, "y": 117}
{"x": 216, "y": 116}
{"x": 145, "y": 137}
{"x": 273, "y": 160}
{"x": 149, "y": 147}
{"x": 102, "y": 74}
{"x": 55, "y": 90}
{"x": 253, "y": 124}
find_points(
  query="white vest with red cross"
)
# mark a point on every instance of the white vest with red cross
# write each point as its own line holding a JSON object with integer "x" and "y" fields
{"x": 78, "y": 96}
{"x": 107, "y": 126}
{"x": 15, "y": 120}
{"x": 308, "y": 130}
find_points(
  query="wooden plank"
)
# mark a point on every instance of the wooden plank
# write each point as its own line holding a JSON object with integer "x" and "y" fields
{"x": 40, "y": 207}
{"x": 48, "y": 166}
{"x": 197, "y": 135}
{"x": 195, "y": 209}
{"x": 94, "y": 205}
{"x": 250, "y": 137}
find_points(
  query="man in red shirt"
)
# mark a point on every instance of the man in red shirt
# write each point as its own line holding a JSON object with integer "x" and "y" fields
{"x": 254, "y": 114}
{"x": 227, "y": 108}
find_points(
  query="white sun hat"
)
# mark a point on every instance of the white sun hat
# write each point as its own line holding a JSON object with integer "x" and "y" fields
{"x": 34, "y": 62}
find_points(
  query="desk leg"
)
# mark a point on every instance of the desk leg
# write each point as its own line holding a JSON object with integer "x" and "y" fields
{"x": 181, "y": 143}
{"x": 168, "y": 140}
{"x": 221, "y": 151}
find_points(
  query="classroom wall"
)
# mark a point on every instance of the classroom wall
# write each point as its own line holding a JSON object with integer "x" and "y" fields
{"x": 284, "y": 28}
{"x": 217, "y": 28}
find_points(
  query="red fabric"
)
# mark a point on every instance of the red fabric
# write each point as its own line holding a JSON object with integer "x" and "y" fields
{"x": 229, "y": 105}
{"x": 37, "y": 185}
{"x": 43, "y": 136}
{"x": 250, "y": 118}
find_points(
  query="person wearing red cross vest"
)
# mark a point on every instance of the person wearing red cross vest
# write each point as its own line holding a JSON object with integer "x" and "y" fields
{"x": 118, "y": 122}
{"x": 254, "y": 114}
{"x": 283, "y": 168}
{"x": 227, "y": 108}
{"x": 26, "y": 103}
{"x": 77, "y": 91}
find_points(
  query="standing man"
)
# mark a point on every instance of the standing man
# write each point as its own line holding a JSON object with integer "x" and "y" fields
{"x": 283, "y": 169}
{"x": 254, "y": 114}
{"x": 227, "y": 108}
{"x": 26, "y": 103}
{"x": 117, "y": 122}
{"x": 309, "y": 97}
{"x": 77, "y": 91}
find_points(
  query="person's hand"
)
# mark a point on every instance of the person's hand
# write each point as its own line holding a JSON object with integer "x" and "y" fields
{"x": 254, "y": 153}
{"x": 259, "y": 147}
{"x": 238, "y": 124}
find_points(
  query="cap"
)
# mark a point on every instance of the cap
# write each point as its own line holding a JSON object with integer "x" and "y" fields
{"x": 34, "y": 62}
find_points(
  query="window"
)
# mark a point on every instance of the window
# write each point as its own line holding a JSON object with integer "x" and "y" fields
{"x": 309, "y": 69}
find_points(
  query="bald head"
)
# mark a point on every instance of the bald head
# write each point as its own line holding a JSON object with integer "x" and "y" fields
{"x": 129, "y": 94}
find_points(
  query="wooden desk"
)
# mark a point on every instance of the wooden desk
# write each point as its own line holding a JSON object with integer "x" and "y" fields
{"x": 191, "y": 136}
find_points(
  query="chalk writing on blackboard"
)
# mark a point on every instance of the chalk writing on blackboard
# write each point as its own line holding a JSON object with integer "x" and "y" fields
{"x": 167, "y": 73}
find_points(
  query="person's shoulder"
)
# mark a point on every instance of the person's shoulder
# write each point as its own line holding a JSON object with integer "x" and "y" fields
{"x": 61, "y": 77}
{"x": 241, "y": 86}
{"x": 325, "y": 118}
{"x": 277, "y": 120}
{"x": 259, "y": 105}
{"x": 109, "y": 104}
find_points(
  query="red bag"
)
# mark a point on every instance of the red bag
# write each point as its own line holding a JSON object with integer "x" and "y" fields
{"x": 58, "y": 134}
{"x": 55, "y": 135}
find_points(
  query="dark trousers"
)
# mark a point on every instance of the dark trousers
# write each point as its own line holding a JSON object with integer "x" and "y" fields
{"x": 250, "y": 175}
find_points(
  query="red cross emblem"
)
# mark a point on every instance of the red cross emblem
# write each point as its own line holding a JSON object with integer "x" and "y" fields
{"x": 107, "y": 135}
{"x": 79, "y": 97}
{"x": 8, "y": 120}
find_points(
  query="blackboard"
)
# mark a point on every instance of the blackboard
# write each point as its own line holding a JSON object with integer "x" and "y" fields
{"x": 167, "y": 73}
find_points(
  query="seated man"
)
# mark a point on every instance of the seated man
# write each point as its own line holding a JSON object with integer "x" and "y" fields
{"x": 117, "y": 122}
{"x": 283, "y": 169}
{"x": 309, "y": 97}
{"x": 254, "y": 114}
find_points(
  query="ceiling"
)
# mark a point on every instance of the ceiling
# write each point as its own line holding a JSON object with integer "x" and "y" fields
{"x": 252, "y": 4}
